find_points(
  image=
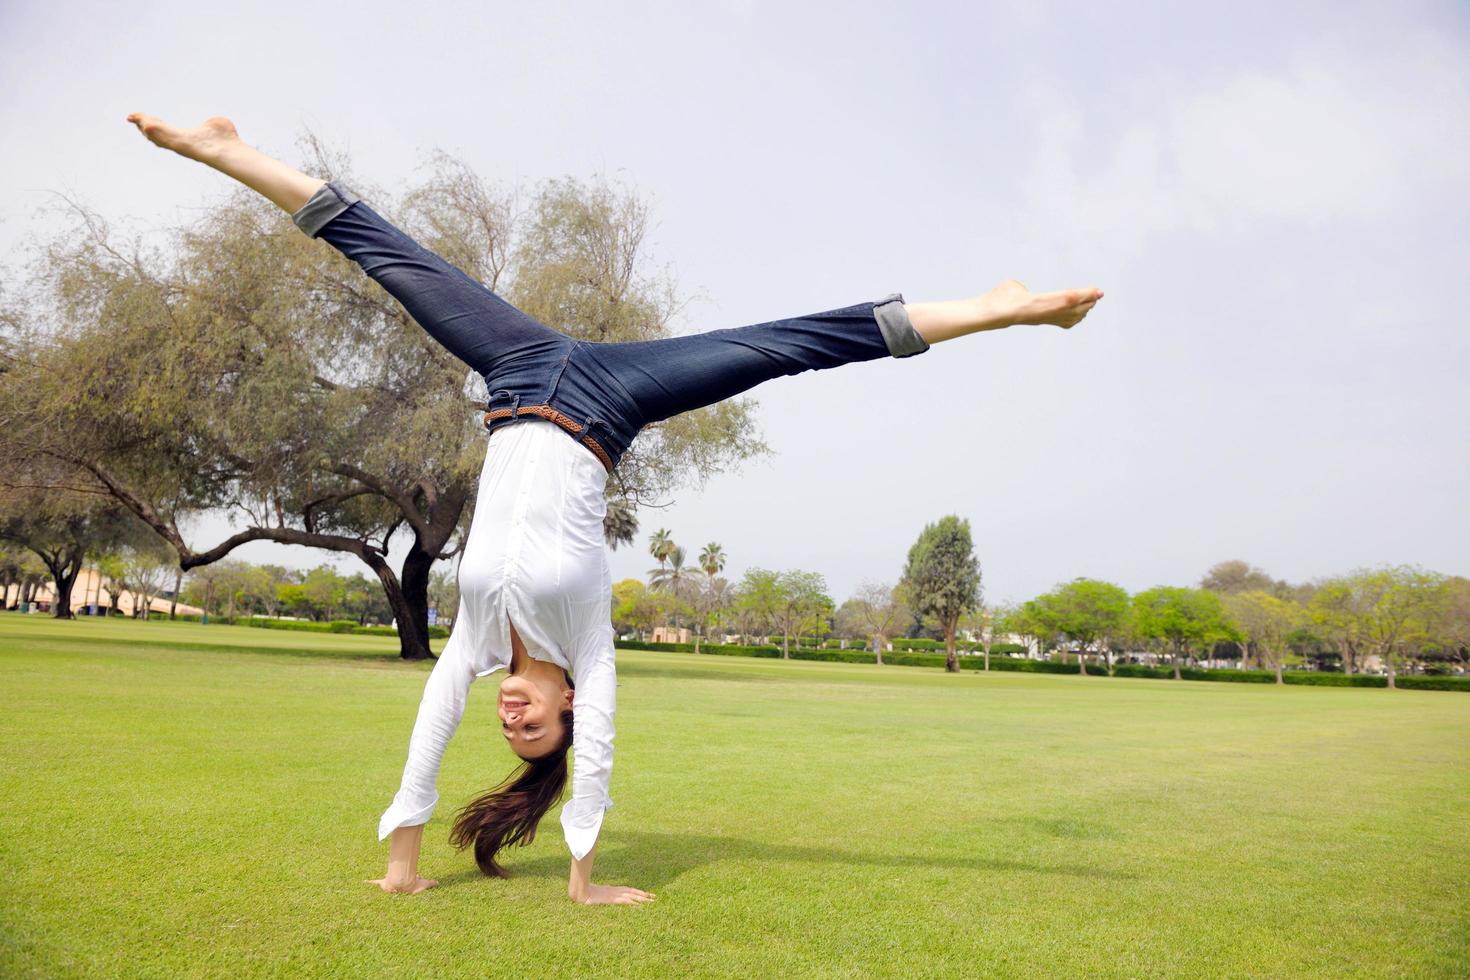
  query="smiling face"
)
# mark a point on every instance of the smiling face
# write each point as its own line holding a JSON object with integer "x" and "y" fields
{"x": 530, "y": 710}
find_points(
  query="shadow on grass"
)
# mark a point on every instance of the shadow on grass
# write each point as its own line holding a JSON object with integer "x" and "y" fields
{"x": 653, "y": 860}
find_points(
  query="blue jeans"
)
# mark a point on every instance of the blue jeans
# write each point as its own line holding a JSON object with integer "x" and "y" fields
{"x": 601, "y": 394}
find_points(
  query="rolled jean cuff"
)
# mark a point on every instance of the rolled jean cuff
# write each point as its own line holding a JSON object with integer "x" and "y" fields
{"x": 330, "y": 200}
{"x": 898, "y": 331}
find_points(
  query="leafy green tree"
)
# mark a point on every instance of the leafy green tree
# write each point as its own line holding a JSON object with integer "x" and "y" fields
{"x": 1340, "y": 608}
{"x": 1181, "y": 619}
{"x": 325, "y": 589}
{"x": 757, "y": 599}
{"x": 942, "y": 575}
{"x": 798, "y": 597}
{"x": 1087, "y": 612}
{"x": 1400, "y": 605}
{"x": 1267, "y": 623}
{"x": 625, "y": 596}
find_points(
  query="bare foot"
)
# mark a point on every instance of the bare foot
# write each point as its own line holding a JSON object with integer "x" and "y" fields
{"x": 202, "y": 143}
{"x": 1012, "y": 303}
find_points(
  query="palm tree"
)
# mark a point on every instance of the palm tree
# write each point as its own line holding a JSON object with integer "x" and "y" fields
{"x": 712, "y": 559}
{"x": 674, "y": 579}
{"x": 660, "y": 543}
{"x": 620, "y": 525}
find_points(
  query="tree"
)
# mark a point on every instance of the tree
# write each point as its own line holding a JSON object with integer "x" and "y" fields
{"x": 709, "y": 599}
{"x": 245, "y": 368}
{"x": 1181, "y": 619}
{"x": 1085, "y": 611}
{"x": 660, "y": 544}
{"x": 1268, "y": 623}
{"x": 1454, "y": 621}
{"x": 325, "y": 589}
{"x": 756, "y": 600}
{"x": 942, "y": 575}
{"x": 1231, "y": 577}
{"x": 998, "y": 622}
{"x": 1398, "y": 603}
{"x": 62, "y": 528}
{"x": 1339, "y": 608}
{"x": 626, "y": 594}
{"x": 712, "y": 559}
{"x": 620, "y": 526}
{"x": 444, "y": 593}
{"x": 146, "y": 568}
{"x": 881, "y": 612}
{"x": 797, "y": 599}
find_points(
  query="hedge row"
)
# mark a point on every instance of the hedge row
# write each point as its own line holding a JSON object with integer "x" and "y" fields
{"x": 308, "y": 626}
{"x": 1007, "y": 663}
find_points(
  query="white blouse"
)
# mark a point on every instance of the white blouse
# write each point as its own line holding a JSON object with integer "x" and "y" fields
{"x": 536, "y": 556}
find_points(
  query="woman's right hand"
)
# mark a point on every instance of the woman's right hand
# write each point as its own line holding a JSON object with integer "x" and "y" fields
{"x": 406, "y": 886}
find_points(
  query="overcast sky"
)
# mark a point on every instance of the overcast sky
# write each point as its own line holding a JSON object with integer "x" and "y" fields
{"x": 1275, "y": 198}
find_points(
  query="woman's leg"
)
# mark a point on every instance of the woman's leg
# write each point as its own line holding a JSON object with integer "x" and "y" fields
{"x": 678, "y": 374}
{"x": 469, "y": 320}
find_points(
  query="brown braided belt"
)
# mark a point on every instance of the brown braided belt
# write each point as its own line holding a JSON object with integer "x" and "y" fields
{"x": 561, "y": 419}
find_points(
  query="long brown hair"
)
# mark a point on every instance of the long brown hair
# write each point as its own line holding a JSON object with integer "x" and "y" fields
{"x": 508, "y": 814}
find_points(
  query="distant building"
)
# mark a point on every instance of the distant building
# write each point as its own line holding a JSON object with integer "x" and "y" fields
{"x": 670, "y": 634}
{"x": 90, "y": 589}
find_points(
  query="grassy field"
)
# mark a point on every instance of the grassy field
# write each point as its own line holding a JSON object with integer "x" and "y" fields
{"x": 192, "y": 800}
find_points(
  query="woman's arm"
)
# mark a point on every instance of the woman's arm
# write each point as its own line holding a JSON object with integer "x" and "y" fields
{"x": 440, "y": 711}
{"x": 403, "y": 863}
{"x": 581, "y": 818}
{"x": 581, "y": 889}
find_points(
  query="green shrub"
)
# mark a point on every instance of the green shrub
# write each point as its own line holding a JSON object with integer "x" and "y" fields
{"x": 1433, "y": 682}
{"x": 836, "y": 656}
{"x": 1003, "y": 661}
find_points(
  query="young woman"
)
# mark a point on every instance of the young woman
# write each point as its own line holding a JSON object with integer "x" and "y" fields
{"x": 534, "y": 582}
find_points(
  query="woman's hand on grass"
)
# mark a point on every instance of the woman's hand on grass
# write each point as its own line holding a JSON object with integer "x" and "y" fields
{"x": 403, "y": 863}
{"x": 612, "y": 895}
{"x": 407, "y": 886}
{"x": 580, "y": 888}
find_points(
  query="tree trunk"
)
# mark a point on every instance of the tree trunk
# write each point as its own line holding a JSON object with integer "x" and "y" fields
{"x": 1082, "y": 661}
{"x": 1175, "y": 658}
{"x": 1279, "y": 679}
{"x": 64, "y": 572}
{"x": 409, "y": 599}
{"x": 951, "y": 661}
{"x": 173, "y": 605}
{"x": 785, "y": 646}
{"x": 1388, "y": 659}
{"x": 878, "y": 649}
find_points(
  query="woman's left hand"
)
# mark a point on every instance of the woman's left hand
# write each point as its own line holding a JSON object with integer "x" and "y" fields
{"x": 613, "y": 895}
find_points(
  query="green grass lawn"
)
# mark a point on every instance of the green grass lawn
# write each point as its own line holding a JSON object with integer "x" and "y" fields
{"x": 182, "y": 799}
